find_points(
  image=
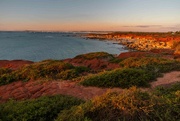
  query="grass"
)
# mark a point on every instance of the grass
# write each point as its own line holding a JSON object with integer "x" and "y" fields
{"x": 132, "y": 104}
{"x": 49, "y": 69}
{"x": 41, "y": 109}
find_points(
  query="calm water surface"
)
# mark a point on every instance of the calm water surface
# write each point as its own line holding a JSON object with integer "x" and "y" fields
{"x": 37, "y": 46}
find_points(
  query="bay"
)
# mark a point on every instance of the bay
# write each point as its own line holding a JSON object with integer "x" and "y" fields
{"x": 38, "y": 46}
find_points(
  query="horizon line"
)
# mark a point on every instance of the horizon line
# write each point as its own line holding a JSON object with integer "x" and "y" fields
{"x": 84, "y": 31}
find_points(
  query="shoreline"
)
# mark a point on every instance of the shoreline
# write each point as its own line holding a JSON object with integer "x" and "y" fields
{"x": 139, "y": 41}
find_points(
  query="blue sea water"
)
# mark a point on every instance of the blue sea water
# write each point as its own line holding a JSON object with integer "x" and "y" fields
{"x": 37, "y": 46}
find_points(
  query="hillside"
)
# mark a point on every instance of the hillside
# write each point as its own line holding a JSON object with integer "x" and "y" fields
{"x": 41, "y": 88}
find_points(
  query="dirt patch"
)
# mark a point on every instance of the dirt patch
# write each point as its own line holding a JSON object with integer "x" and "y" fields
{"x": 34, "y": 89}
{"x": 167, "y": 79}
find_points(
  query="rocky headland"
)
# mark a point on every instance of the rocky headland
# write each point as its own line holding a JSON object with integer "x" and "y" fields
{"x": 142, "y": 41}
{"x": 90, "y": 85}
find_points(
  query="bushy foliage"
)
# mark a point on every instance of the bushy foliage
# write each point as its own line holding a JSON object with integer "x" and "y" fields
{"x": 162, "y": 91}
{"x": 116, "y": 60}
{"x": 41, "y": 109}
{"x": 95, "y": 55}
{"x": 134, "y": 72}
{"x": 143, "y": 61}
{"x": 120, "y": 78}
{"x": 5, "y": 71}
{"x": 49, "y": 69}
{"x": 132, "y": 104}
{"x": 159, "y": 65}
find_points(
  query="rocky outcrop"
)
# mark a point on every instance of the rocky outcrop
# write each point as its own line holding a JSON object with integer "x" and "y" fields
{"x": 139, "y": 40}
{"x": 146, "y": 45}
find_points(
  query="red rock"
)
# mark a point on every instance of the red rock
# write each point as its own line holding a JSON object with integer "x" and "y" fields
{"x": 21, "y": 96}
{"x": 37, "y": 94}
{"x": 35, "y": 89}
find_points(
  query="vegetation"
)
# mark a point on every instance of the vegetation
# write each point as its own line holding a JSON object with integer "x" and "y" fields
{"x": 134, "y": 72}
{"x": 95, "y": 55}
{"x": 142, "y": 61}
{"x": 41, "y": 109}
{"x": 49, "y": 69}
{"x": 132, "y": 104}
{"x": 123, "y": 78}
{"x": 155, "y": 64}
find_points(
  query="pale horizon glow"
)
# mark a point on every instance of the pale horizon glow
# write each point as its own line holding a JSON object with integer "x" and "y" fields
{"x": 90, "y": 15}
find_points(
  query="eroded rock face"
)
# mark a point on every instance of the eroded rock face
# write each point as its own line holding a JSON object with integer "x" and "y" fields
{"x": 26, "y": 90}
{"x": 34, "y": 89}
{"x": 14, "y": 64}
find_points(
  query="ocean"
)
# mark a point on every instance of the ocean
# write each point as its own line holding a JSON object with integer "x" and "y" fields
{"x": 38, "y": 46}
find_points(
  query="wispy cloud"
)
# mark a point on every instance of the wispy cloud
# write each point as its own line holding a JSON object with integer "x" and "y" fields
{"x": 144, "y": 26}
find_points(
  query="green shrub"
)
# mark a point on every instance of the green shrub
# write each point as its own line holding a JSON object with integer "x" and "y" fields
{"x": 143, "y": 61}
{"x": 162, "y": 91}
{"x": 81, "y": 69}
{"x": 41, "y": 109}
{"x": 120, "y": 78}
{"x": 116, "y": 60}
{"x": 5, "y": 71}
{"x": 131, "y": 104}
{"x": 49, "y": 69}
{"x": 95, "y": 55}
{"x": 160, "y": 65}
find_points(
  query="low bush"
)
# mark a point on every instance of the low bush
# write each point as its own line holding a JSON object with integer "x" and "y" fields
{"x": 116, "y": 60}
{"x": 95, "y": 55}
{"x": 159, "y": 65}
{"x": 5, "y": 71}
{"x": 132, "y": 104}
{"x": 143, "y": 61}
{"x": 124, "y": 78}
{"x": 41, "y": 109}
{"x": 49, "y": 69}
{"x": 164, "y": 91}
{"x": 134, "y": 72}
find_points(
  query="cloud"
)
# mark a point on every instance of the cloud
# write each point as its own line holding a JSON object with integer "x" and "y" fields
{"x": 144, "y": 26}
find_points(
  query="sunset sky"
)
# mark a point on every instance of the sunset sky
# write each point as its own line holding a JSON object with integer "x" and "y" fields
{"x": 90, "y": 15}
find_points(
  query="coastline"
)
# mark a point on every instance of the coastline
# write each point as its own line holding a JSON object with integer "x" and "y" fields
{"x": 138, "y": 40}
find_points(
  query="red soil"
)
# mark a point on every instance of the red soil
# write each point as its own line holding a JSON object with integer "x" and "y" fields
{"x": 14, "y": 64}
{"x": 135, "y": 54}
{"x": 95, "y": 64}
{"x": 34, "y": 89}
{"x": 29, "y": 90}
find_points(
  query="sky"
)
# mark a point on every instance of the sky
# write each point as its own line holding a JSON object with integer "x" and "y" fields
{"x": 90, "y": 15}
